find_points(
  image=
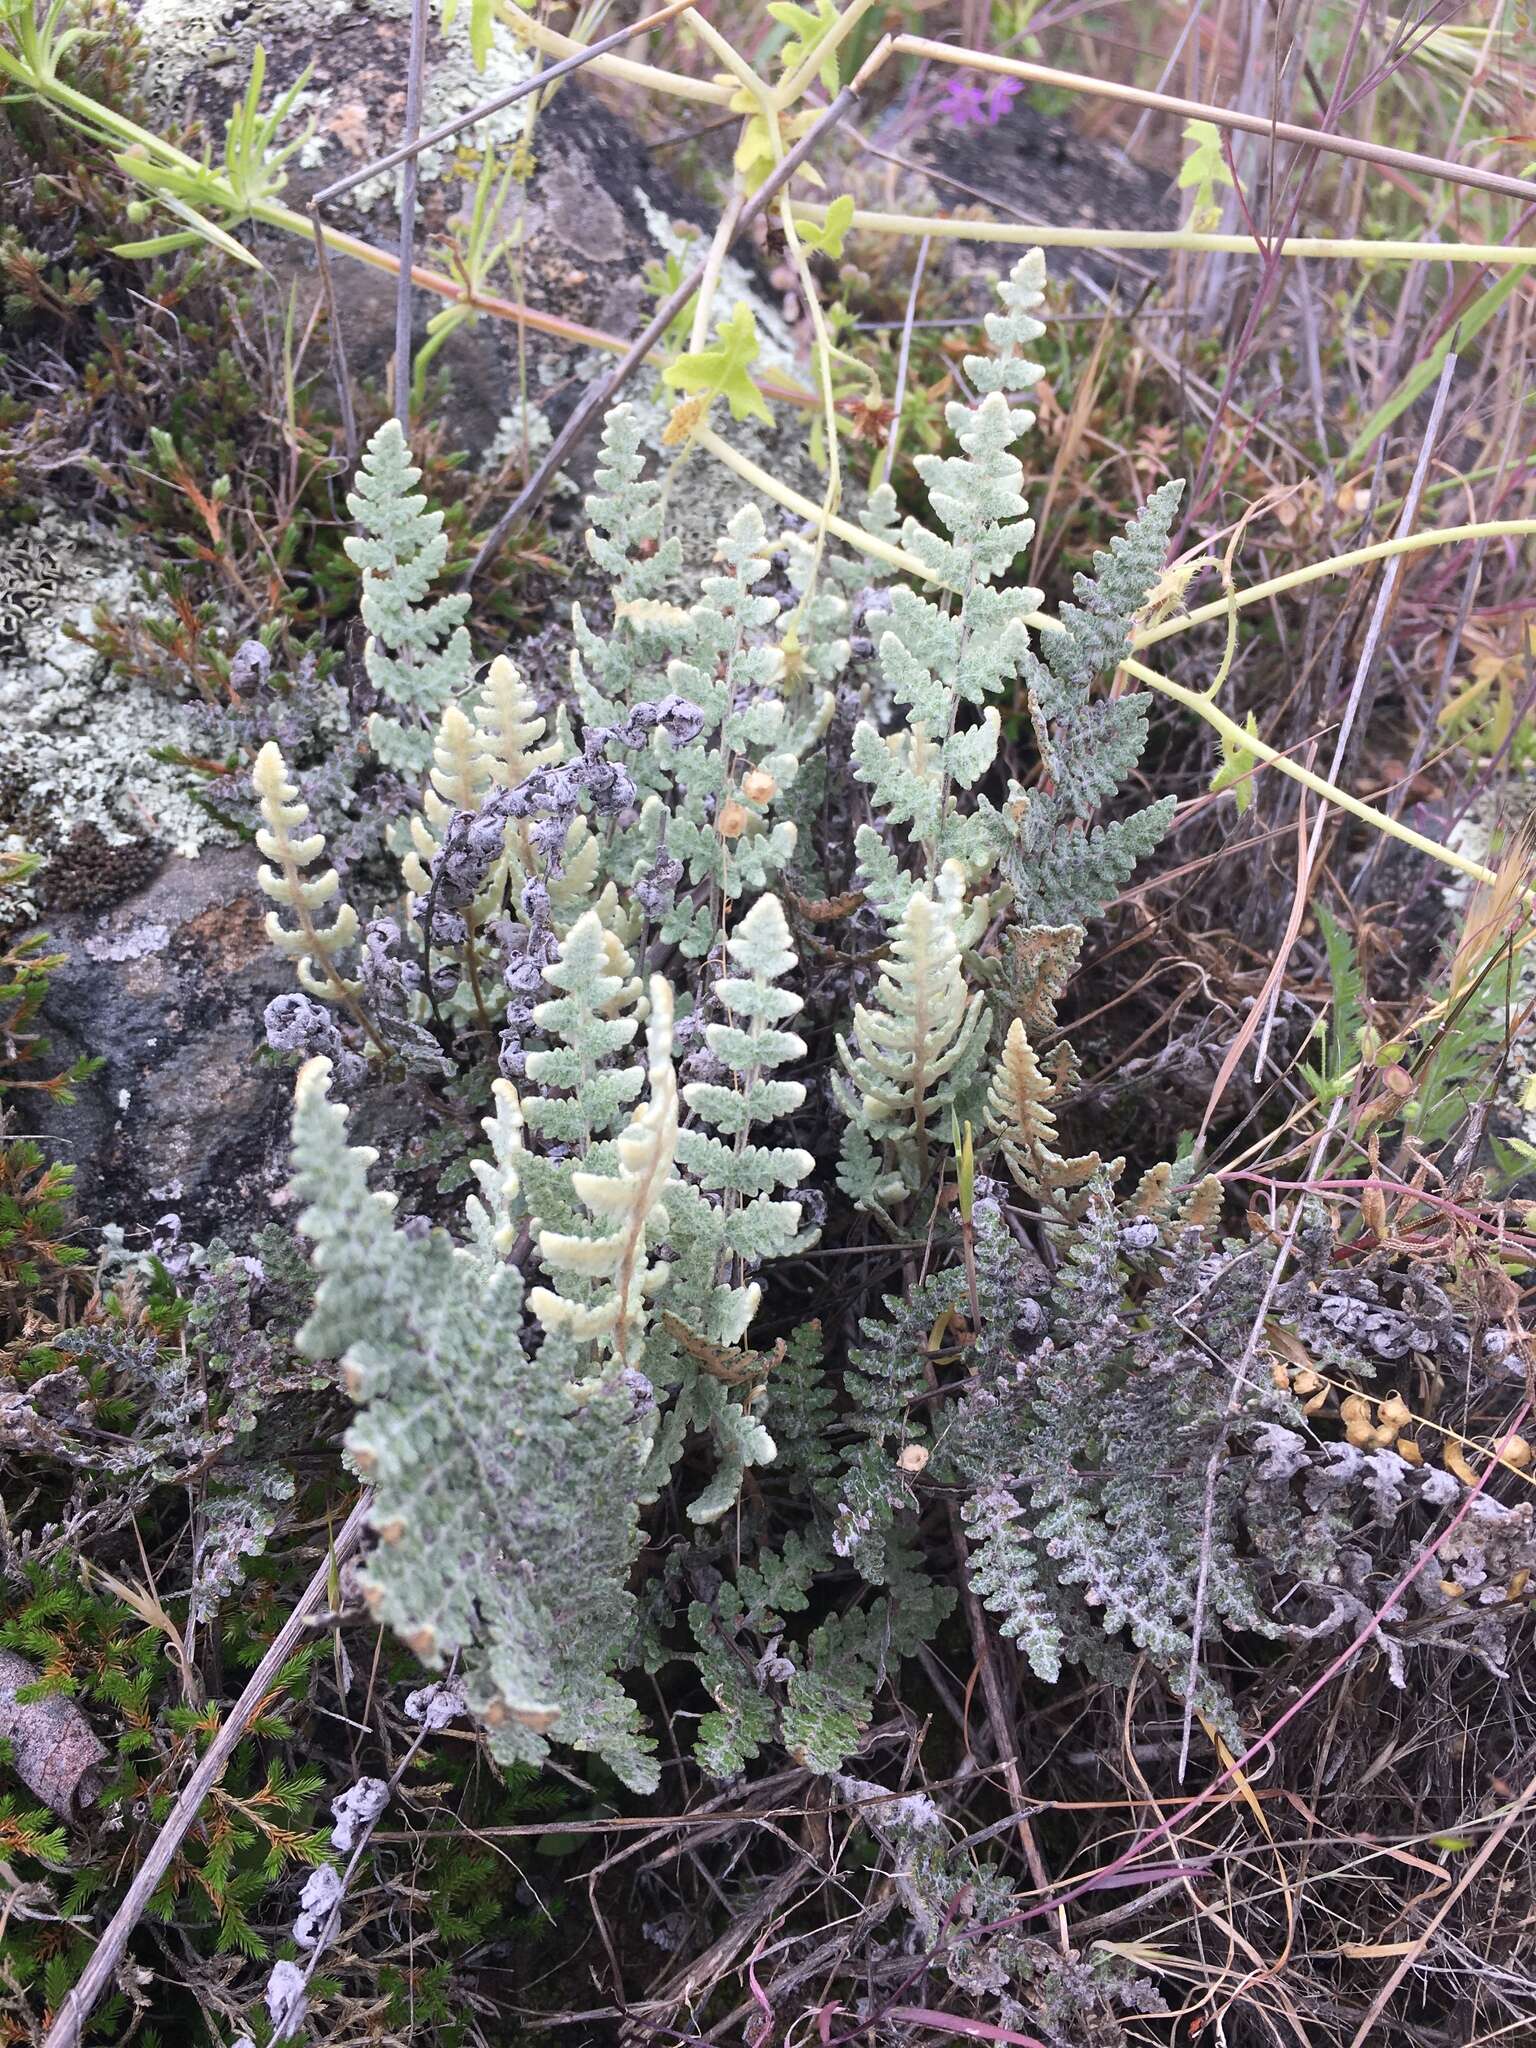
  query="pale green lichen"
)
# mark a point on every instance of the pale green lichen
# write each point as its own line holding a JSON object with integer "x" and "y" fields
{"x": 79, "y": 741}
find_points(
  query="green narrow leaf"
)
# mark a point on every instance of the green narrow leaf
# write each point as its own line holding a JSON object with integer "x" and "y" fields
{"x": 1422, "y": 375}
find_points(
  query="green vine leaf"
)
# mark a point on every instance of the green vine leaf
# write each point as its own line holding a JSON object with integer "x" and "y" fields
{"x": 725, "y": 370}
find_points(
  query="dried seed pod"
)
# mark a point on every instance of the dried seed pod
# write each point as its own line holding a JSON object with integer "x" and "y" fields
{"x": 1395, "y": 1410}
{"x": 1354, "y": 1408}
{"x": 913, "y": 1458}
{"x": 1516, "y": 1452}
{"x": 1456, "y": 1463}
{"x": 1409, "y": 1451}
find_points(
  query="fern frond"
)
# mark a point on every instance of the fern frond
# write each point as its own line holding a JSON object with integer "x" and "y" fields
{"x": 315, "y": 948}
{"x": 591, "y": 1022}
{"x": 611, "y": 1305}
{"x": 920, "y": 1038}
{"x": 751, "y": 1047}
{"x": 418, "y": 653}
{"x": 503, "y": 1500}
{"x": 1020, "y": 1117}
{"x": 510, "y": 727}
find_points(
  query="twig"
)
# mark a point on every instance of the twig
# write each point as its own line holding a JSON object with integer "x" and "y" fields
{"x": 413, "y": 84}
{"x": 1367, "y": 661}
{"x": 1415, "y": 1953}
{"x": 1222, "y": 117}
{"x": 98, "y": 1972}
{"x": 603, "y": 393}
{"x": 900, "y": 397}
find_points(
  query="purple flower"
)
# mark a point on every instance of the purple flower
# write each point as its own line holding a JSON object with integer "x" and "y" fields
{"x": 966, "y": 105}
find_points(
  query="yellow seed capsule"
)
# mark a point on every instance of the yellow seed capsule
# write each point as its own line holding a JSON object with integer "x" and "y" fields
{"x": 1517, "y": 1452}
{"x": 1451, "y": 1590}
{"x": 1409, "y": 1451}
{"x": 1317, "y": 1403}
{"x": 1359, "y": 1432}
{"x": 913, "y": 1458}
{"x": 1518, "y": 1583}
{"x": 759, "y": 785}
{"x": 1306, "y": 1381}
{"x": 1279, "y": 1376}
{"x": 732, "y": 820}
{"x": 1395, "y": 1410}
{"x": 1354, "y": 1408}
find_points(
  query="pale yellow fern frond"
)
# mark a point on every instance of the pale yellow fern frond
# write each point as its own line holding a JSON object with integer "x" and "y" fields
{"x": 628, "y": 1200}
{"x": 312, "y": 944}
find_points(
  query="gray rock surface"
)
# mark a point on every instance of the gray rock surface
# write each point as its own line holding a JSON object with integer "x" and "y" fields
{"x": 168, "y": 989}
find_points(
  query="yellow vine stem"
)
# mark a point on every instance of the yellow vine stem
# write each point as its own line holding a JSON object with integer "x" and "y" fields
{"x": 1260, "y": 750}
{"x": 833, "y": 495}
{"x": 1379, "y": 154}
{"x": 1495, "y": 255}
{"x": 870, "y": 544}
{"x": 627, "y": 70}
{"x": 704, "y": 29}
{"x": 1335, "y": 565}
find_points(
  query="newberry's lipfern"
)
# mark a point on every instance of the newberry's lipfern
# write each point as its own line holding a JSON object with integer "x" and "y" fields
{"x": 627, "y": 934}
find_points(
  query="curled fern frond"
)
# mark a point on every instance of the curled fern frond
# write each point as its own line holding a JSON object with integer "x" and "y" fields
{"x": 1020, "y": 1117}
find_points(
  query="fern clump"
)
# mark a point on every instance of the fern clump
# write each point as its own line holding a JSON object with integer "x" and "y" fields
{"x": 602, "y": 1431}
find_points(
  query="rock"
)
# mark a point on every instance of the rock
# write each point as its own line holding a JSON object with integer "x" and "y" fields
{"x": 596, "y": 213}
{"x": 1030, "y": 167}
{"x": 53, "y": 1748}
{"x": 168, "y": 990}
{"x": 79, "y": 779}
